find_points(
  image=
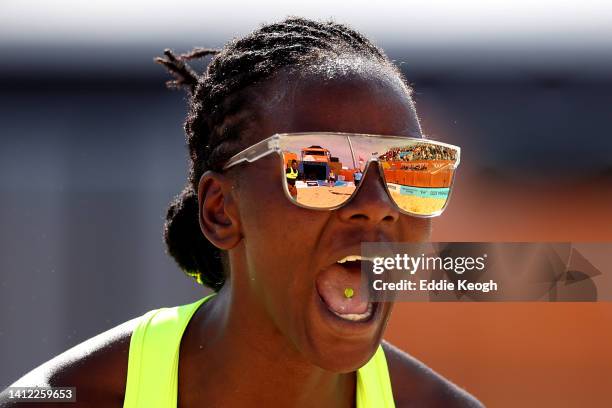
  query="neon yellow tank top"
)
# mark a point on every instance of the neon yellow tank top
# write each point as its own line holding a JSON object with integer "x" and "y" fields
{"x": 152, "y": 378}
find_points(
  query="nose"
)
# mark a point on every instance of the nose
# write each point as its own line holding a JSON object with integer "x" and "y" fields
{"x": 371, "y": 204}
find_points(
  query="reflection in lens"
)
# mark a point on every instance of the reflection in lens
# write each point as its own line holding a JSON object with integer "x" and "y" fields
{"x": 323, "y": 170}
{"x": 419, "y": 176}
{"x": 319, "y": 170}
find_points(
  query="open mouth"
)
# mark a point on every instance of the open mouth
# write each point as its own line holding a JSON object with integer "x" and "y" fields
{"x": 341, "y": 289}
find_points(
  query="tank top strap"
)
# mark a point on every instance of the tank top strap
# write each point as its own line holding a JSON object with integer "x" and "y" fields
{"x": 152, "y": 378}
{"x": 374, "y": 384}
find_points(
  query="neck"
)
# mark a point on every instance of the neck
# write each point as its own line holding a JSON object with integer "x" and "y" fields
{"x": 232, "y": 354}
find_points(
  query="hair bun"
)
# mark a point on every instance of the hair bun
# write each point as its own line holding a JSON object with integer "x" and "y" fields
{"x": 187, "y": 244}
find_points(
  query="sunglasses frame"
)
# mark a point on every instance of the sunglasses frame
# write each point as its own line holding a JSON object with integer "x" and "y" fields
{"x": 272, "y": 145}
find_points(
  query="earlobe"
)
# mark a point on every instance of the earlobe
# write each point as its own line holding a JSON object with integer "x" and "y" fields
{"x": 217, "y": 210}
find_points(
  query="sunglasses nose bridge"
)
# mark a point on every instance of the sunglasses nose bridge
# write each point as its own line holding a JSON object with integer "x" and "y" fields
{"x": 370, "y": 201}
{"x": 374, "y": 163}
{"x": 373, "y": 166}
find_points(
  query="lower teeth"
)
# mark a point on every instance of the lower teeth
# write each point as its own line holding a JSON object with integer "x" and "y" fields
{"x": 354, "y": 317}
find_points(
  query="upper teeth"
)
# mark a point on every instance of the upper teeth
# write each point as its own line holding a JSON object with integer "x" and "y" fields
{"x": 354, "y": 258}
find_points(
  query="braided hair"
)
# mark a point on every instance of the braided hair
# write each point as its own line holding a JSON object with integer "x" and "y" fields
{"x": 294, "y": 43}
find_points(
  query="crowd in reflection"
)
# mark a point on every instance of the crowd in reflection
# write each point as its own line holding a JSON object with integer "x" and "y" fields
{"x": 419, "y": 151}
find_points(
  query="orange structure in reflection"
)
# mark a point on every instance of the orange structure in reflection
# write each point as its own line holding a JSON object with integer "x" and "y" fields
{"x": 419, "y": 173}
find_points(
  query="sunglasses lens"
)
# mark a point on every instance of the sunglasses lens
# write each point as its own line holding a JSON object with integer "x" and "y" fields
{"x": 318, "y": 169}
{"x": 419, "y": 176}
{"x": 418, "y": 172}
{"x": 323, "y": 171}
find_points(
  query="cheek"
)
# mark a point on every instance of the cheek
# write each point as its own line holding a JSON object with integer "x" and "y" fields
{"x": 280, "y": 241}
{"x": 279, "y": 237}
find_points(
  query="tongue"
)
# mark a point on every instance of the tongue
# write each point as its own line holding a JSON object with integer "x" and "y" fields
{"x": 332, "y": 283}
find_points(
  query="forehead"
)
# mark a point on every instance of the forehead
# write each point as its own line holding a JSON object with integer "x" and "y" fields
{"x": 376, "y": 102}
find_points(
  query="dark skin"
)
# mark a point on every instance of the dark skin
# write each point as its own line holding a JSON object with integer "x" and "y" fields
{"x": 269, "y": 297}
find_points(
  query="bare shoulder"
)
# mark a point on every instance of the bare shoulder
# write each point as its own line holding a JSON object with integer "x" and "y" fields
{"x": 416, "y": 385}
{"x": 97, "y": 368}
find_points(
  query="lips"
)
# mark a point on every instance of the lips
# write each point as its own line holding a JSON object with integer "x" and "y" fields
{"x": 340, "y": 288}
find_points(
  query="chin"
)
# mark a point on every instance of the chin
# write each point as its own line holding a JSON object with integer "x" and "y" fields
{"x": 342, "y": 345}
{"x": 344, "y": 358}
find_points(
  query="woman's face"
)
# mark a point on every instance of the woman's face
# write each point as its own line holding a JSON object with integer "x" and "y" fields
{"x": 290, "y": 253}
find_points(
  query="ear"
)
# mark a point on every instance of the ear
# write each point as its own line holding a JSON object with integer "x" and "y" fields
{"x": 218, "y": 212}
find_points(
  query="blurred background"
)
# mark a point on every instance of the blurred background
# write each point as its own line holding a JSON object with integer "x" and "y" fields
{"x": 92, "y": 150}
